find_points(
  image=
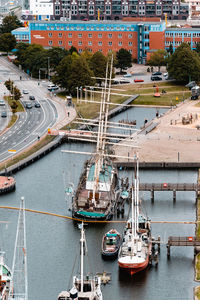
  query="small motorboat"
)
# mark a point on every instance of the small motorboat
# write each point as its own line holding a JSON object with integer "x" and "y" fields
{"x": 111, "y": 243}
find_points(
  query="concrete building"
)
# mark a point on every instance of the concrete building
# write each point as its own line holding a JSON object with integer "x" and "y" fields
{"x": 117, "y": 9}
{"x": 41, "y": 9}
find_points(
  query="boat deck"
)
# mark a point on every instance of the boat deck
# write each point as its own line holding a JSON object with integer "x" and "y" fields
{"x": 85, "y": 200}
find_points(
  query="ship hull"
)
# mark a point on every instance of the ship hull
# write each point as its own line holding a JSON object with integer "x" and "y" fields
{"x": 133, "y": 268}
{"x": 80, "y": 216}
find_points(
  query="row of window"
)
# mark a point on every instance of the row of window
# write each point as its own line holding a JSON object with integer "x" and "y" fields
{"x": 97, "y": 28}
{"x": 180, "y": 34}
{"x": 80, "y": 43}
{"x": 178, "y": 43}
{"x": 80, "y": 35}
{"x": 22, "y": 37}
{"x": 100, "y": 50}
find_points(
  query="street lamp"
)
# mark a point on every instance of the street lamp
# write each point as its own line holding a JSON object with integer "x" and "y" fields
{"x": 48, "y": 68}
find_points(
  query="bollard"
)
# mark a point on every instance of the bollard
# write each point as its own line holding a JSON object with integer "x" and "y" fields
{"x": 174, "y": 196}
{"x": 152, "y": 196}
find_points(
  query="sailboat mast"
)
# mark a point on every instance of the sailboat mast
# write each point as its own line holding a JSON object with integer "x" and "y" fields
{"x": 82, "y": 242}
{"x": 137, "y": 196}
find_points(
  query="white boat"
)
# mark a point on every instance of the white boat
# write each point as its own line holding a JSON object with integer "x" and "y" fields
{"x": 83, "y": 287}
{"x": 5, "y": 278}
{"x": 135, "y": 250}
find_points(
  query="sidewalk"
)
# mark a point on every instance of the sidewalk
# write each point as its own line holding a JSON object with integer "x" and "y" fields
{"x": 170, "y": 141}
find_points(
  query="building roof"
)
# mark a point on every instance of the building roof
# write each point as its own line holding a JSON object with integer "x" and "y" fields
{"x": 20, "y": 29}
{"x": 102, "y": 22}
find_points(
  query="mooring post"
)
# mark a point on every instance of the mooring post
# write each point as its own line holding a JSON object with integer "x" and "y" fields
{"x": 196, "y": 196}
{"x": 152, "y": 196}
{"x": 158, "y": 244}
{"x": 168, "y": 250}
{"x": 174, "y": 195}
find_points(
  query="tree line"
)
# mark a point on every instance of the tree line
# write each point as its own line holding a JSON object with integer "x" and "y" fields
{"x": 68, "y": 68}
{"x": 183, "y": 64}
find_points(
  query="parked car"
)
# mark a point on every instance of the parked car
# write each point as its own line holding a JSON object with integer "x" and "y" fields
{"x": 166, "y": 75}
{"x": 37, "y": 104}
{"x": 138, "y": 80}
{"x": 25, "y": 91}
{"x": 127, "y": 75}
{"x": 157, "y": 73}
{"x": 53, "y": 88}
{"x": 28, "y": 105}
{"x": 2, "y": 103}
{"x": 156, "y": 78}
{"x": 3, "y": 114}
{"x": 31, "y": 97}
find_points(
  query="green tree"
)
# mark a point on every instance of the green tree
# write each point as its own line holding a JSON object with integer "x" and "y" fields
{"x": 124, "y": 59}
{"x": 98, "y": 65}
{"x": 7, "y": 42}
{"x": 73, "y": 49}
{"x": 9, "y": 84}
{"x": 198, "y": 48}
{"x": 32, "y": 58}
{"x": 16, "y": 93}
{"x": 184, "y": 64}
{"x": 170, "y": 50}
{"x": 80, "y": 76}
{"x": 157, "y": 58}
{"x": 21, "y": 53}
{"x": 56, "y": 54}
{"x": 10, "y": 23}
{"x": 63, "y": 72}
{"x": 14, "y": 106}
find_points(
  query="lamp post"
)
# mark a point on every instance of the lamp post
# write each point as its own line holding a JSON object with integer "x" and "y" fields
{"x": 48, "y": 68}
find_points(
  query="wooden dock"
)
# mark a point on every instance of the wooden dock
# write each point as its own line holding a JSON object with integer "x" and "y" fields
{"x": 178, "y": 241}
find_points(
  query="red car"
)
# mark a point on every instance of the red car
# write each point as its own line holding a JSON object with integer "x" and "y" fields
{"x": 138, "y": 80}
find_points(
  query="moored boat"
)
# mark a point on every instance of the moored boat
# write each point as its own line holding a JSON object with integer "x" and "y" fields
{"x": 5, "y": 278}
{"x": 111, "y": 243}
{"x": 83, "y": 287}
{"x": 135, "y": 251}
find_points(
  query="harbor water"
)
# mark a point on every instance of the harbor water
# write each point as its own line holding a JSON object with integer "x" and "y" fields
{"x": 53, "y": 243}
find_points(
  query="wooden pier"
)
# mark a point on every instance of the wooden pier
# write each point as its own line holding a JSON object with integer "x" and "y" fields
{"x": 174, "y": 187}
{"x": 182, "y": 241}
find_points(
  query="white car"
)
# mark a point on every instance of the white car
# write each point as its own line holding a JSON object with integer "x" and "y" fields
{"x": 2, "y": 103}
{"x": 25, "y": 91}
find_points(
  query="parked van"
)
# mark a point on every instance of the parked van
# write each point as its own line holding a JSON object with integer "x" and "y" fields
{"x": 2, "y": 103}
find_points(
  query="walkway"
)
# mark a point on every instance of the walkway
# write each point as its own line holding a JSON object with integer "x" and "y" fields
{"x": 170, "y": 140}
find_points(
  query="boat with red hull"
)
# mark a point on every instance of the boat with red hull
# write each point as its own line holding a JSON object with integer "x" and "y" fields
{"x": 135, "y": 251}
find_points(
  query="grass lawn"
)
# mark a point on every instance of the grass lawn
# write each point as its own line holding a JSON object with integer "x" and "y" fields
{"x": 197, "y": 292}
{"x": 90, "y": 110}
{"x": 12, "y": 120}
{"x": 198, "y": 266}
{"x": 19, "y": 105}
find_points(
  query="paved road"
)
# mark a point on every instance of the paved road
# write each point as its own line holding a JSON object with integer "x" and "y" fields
{"x": 32, "y": 123}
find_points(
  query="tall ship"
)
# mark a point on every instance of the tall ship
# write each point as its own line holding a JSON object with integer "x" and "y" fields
{"x": 83, "y": 287}
{"x": 135, "y": 251}
{"x": 98, "y": 191}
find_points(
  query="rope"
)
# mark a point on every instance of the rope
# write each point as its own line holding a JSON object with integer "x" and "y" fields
{"x": 96, "y": 221}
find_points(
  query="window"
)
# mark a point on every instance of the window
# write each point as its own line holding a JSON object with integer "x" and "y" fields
{"x": 80, "y": 50}
{"x": 90, "y": 35}
{"x": 59, "y": 42}
{"x": 110, "y": 35}
{"x": 99, "y": 35}
{"x": 100, "y": 43}
{"x": 70, "y": 43}
{"x": 130, "y": 36}
{"x": 80, "y": 35}
{"x": 80, "y": 43}
{"x": 50, "y": 34}
{"x": 69, "y": 35}
{"x": 50, "y": 42}
{"x": 90, "y": 43}
{"x": 119, "y": 35}
{"x": 130, "y": 51}
{"x": 120, "y": 44}
{"x": 60, "y": 34}
{"x": 130, "y": 43}
{"x": 110, "y": 43}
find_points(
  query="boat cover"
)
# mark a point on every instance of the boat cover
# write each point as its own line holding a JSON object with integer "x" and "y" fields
{"x": 91, "y": 214}
{"x": 103, "y": 177}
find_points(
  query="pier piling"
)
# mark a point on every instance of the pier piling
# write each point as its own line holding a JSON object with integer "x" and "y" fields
{"x": 152, "y": 196}
{"x": 174, "y": 195}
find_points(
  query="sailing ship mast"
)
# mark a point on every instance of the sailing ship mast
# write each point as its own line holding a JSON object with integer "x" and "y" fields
{"x": 19, "y": 288}
{"x": 101, "y": 138}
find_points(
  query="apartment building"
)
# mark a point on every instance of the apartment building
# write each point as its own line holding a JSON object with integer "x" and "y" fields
{"x": 117, "y": 9}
